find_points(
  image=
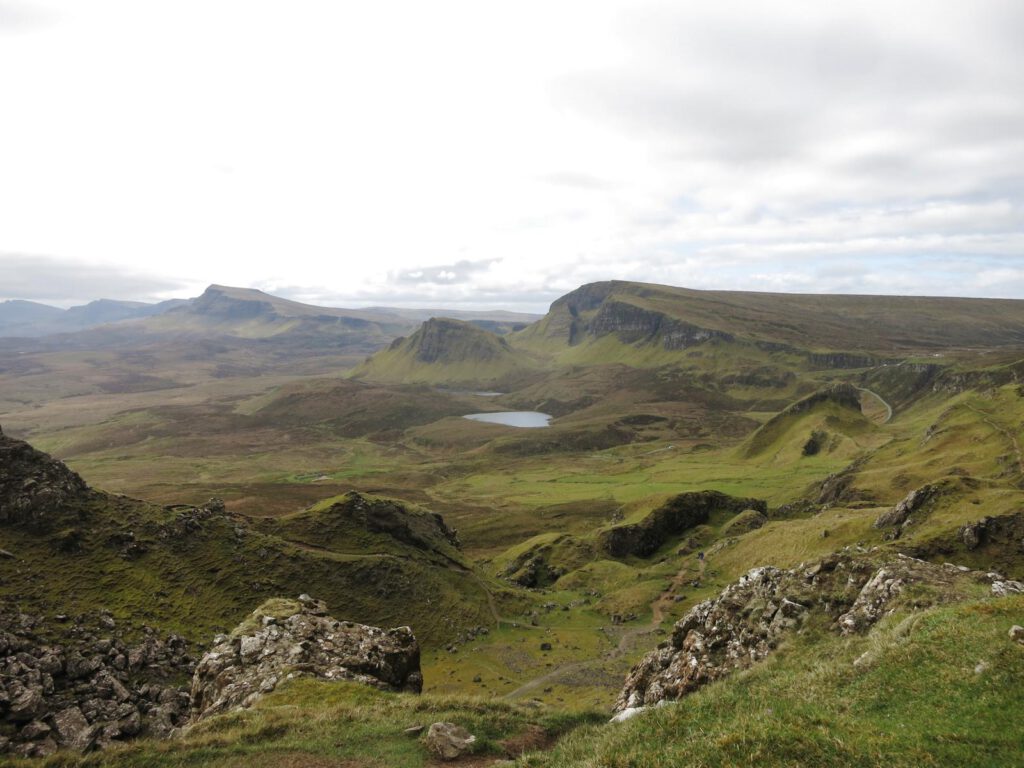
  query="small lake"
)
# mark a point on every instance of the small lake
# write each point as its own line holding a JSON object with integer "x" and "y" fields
{"x": 524, "y": 419}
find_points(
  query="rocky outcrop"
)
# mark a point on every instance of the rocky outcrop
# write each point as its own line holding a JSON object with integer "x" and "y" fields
{"x": 912, "y": 502}
{"x": 283, "y": 639}
{"x": 594, "y": 311}
{"x": 753, "y": 615}
{"x": 676, "y": 516}
{"x": 1005, "y": 532}
{"x": 92, "y": 688}
{"x": 423, "y": 530}
{"x": 34, "y": 485}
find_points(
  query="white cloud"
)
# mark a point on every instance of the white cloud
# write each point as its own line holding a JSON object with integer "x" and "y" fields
{"x": 347, "y": 148}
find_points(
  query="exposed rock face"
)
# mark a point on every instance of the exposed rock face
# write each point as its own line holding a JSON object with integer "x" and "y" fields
{"x": 283, "y": 639}
{"x": 92, "y": 689}
{"x": 33, "y": 484}
{"x": 913, "y": 501}
{"x": 593, "y": 311}
{"x": 633, "y": 324}
{"x": 1003, "y": 532}
{"x": 751, "y": 616}
{"x": 674, "y": 517}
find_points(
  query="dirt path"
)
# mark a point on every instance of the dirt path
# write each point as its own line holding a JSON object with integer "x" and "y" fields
{"x": 659, "y": 608}
{"x": 882, "y": 400}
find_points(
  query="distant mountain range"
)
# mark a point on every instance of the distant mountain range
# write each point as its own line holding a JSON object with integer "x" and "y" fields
{"x": 31, "y": 319}
{"x": 232, "y": 309}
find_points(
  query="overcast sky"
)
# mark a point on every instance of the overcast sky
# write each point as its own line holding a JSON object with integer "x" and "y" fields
{"x": 502, "y": 153}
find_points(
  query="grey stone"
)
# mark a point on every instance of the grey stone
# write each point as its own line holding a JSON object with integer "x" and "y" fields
{"x": 74, "y": 730}
{"x": 448, "y": 741}
{"x": 302, "y": 640}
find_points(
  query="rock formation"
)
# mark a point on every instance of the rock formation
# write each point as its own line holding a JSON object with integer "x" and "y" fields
{"x": 283, "y": 639}
{"x": 33, "y": 484}
{"x": 900, "y": 514}
{"x": 676, "y": 516}
{"x": 94, "y": 687}
{"x": 753, "y": 615}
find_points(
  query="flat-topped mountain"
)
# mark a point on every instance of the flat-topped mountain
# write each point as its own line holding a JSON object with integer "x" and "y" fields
{"x": 675, "y": 318}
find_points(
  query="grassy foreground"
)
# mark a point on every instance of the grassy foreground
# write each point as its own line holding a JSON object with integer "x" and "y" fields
{"x": 314, "y": 723}
{"x": 938, "y": 688}
{"x": 935, "y": 688}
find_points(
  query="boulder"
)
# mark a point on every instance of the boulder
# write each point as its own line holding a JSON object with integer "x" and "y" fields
{"x": 283, "y": 639}
{"x": 448, "y": 741}
{"x": 73, "y": 730}
{"x": 75, "y": 696}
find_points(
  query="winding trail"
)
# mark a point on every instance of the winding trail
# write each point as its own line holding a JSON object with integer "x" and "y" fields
{"x": 659, "y": 608}
{"x": 492, "y": 604}
{"x": 882, "y": 400}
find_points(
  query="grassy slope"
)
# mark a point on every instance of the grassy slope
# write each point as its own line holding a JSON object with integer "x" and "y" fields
{"x": 915, "y": 700}
{"x": 204, "y": 580}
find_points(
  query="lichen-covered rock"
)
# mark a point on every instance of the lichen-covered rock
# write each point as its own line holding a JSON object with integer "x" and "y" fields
{"x": 751, "y": 616}
{"x": 287, "y": 638}
{"x": 1003, "y": 587}
{"x": 448, "y": 741}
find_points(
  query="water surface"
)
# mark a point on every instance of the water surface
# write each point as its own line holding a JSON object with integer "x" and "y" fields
{"x": 523, "y": 419}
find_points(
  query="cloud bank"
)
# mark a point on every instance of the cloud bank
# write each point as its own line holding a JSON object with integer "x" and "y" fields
{"x": 459, "y": 152}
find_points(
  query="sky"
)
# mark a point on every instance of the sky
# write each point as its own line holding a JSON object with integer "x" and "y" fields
{"x": 499, "y": 154}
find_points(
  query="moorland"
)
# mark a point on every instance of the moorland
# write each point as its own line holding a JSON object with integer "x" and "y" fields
{"x": 240, "y": 447}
